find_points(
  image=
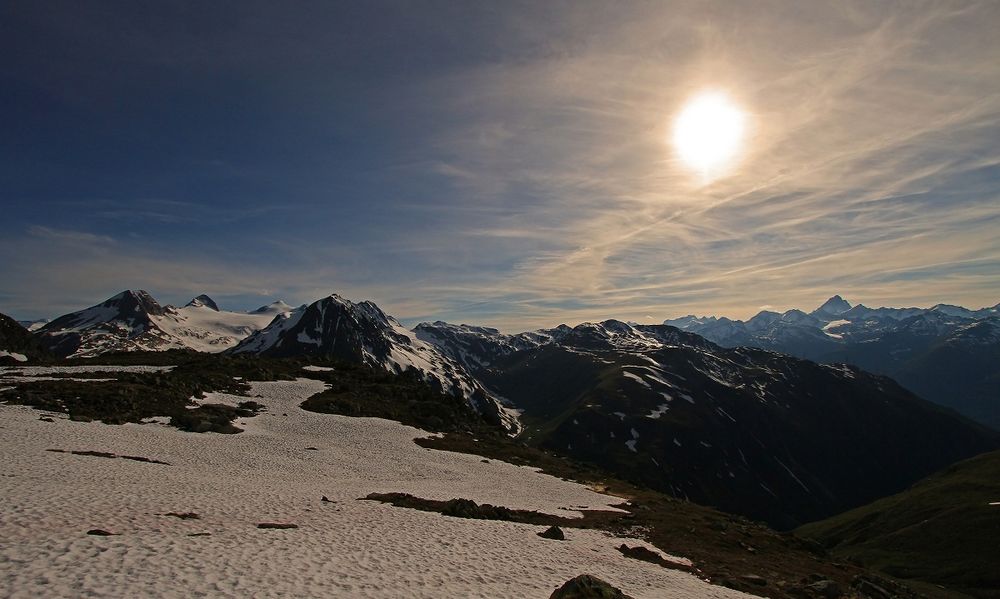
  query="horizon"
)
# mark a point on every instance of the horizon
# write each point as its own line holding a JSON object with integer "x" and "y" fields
{"x": 410, "y": 322}
{"x": 515, "y": 166}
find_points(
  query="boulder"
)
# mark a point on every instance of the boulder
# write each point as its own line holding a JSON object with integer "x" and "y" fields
{"x": 586, "y": 586}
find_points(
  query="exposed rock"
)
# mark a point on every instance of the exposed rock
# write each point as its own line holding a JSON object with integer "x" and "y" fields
{"x": 100, "y": 532}
{"x": 826, "y": 588}
{"x": 466, "y": 508}
{"x": 553, "y": 532}
{"x": 754, "y": 580}
{"x": 875, "y": 587}
{"x": 586, "y": 586}
{"x": 184, "y": 515}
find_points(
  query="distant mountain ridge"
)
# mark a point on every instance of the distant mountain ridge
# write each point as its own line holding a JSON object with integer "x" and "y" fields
{"x": 947, "y": 354}
{"x": 135, "y": 321}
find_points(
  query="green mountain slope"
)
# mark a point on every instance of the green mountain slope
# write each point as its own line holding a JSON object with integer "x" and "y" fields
{"x": 944, "y": 530}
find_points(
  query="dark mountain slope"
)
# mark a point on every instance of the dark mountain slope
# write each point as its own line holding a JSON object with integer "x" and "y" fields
{"x": 960, "y": 370}
{"x": 16, "y": 344}
{"x": 943, "y": 530}
{"x": 749, "y": 431}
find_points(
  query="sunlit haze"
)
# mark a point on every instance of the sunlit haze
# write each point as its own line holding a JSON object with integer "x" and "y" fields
{"x": 708, "y": 133}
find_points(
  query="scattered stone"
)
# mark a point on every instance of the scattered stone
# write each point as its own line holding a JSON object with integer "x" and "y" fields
{"x": 877, "y": 587}
{"x": 100, "y": 532}
{"x": 749, "y": 548}
{"x": 826, "y": 588}
{"x": 278, "y": 525}
{"x": 183, "y": 515}
{"x": 326, "y": 499}
{"x": 718, "y": 525}
{"x": 485, "y": 461}
{"x": 754, "y": 580}
{"x": 199, "y": 534}
{"x": 45, "y": 419}
{"x": 80, "y": 418}
{"x": 586, "y": 586}
{"x": 312, "y": 448}
{"x": 553, "y": 532}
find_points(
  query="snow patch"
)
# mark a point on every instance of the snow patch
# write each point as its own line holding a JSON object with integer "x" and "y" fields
{"x": 17, "y": 357}
{"x": 659, "y": 411}
{"x": 264, "y": 474}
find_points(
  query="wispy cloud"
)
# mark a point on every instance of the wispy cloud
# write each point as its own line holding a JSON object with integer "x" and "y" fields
{"x": 873, "y": 153}
{"x": 534, "y": 184}
{"x": 70, "y": 237}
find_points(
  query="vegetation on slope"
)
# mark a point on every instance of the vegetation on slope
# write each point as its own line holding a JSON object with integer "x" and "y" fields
{"x": 355, "y": 390}
{"x": 943, "y": 530}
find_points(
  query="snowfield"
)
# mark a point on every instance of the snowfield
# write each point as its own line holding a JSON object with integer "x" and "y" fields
{"x": 344, "y": 548}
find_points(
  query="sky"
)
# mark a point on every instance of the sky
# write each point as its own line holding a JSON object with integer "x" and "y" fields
{"x": 505, "y": 164}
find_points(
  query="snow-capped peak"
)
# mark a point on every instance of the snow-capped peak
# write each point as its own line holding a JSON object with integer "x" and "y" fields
{"x": 134, "y": 321}
{"x": 277, "y": 307}
{"x": 362, "y": 332}
{"x": 203, "y": 301}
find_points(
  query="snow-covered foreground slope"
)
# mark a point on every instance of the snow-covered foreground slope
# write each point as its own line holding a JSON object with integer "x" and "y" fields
{"x": 346, "y": 548}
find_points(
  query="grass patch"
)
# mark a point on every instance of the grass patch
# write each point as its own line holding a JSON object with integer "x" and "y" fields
{"x": 941, "y": 531}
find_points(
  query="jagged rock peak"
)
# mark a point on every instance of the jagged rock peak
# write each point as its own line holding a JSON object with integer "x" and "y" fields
{"x": 834, "y": 305}
{"x": 138, "y": 300}
{"x": 203, "y": 301}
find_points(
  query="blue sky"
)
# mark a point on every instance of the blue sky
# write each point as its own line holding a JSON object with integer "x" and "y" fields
{"x": 503, "y": 164}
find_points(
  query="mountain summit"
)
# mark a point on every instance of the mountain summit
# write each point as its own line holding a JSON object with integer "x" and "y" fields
{"x": 362, "y": 333}
{"x": 203, "y": 301}
{"x": 832, "y": 307}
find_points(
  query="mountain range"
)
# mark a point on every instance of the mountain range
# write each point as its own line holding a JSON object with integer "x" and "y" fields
{"x": 749, "y": 431}
{"x": 947, "y": 354}
{"x": 746, "y": 429}
{"x": 134, "y": 321}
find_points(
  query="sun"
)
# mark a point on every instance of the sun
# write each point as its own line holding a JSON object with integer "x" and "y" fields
{"x": 708, "y": 134}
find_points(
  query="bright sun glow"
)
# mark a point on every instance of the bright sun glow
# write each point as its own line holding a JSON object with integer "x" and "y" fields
{"x": 708, "y": 133}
